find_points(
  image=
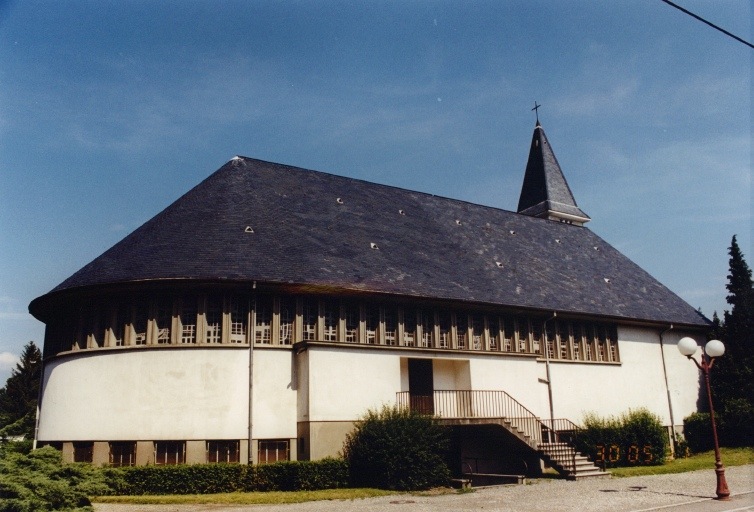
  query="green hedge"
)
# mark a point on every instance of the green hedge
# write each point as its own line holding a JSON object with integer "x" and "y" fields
{"x": 632, "y": 439}
{"x": 735, "y": 427}
{"x": 221, "y": 478}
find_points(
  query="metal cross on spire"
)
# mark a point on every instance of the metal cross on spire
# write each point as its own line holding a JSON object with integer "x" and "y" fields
{"x": 536, "y": 110}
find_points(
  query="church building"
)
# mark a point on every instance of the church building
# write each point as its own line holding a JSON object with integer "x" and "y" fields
{"x": 267, "y": 309}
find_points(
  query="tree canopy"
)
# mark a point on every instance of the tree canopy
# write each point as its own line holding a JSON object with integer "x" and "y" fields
{"x": 732, "y": 379}
{"x": 18, "y": 399}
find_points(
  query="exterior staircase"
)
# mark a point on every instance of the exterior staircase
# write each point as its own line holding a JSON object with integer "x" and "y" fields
{"x": 564, "y": 459}
{"x": 551, "y": 442}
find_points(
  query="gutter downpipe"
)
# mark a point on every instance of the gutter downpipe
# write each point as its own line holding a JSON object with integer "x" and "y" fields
{"x": 549, "y": 380}
{"x": 251, "y": 322}
{"x": 667, "y": 390}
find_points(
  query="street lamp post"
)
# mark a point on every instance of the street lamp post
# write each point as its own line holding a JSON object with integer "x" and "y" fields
{"x": 713, "y": 349}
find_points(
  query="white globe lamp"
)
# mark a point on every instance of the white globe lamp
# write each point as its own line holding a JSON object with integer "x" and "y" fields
{"x": 714, "y": 348}
{"x": 687, "y": 346}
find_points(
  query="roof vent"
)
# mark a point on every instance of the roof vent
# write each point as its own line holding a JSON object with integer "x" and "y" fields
{"x": 557, "y": 240}
{"x": 607, "y": 280}
{"x": 248, "y": 230}
{"x": 499, "y": 264}
{"x": 373, "y": 245}
{"x": 401, "y": 212}
{"x": 339, "y": 201}
{"x": 512, "y": 231}
{"x": 596, "y": 248}
{"x": 458, "y": 222}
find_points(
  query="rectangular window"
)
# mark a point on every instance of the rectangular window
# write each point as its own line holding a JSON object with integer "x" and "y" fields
{"x": 391, "y": 326}
{"x": 169, "y": 452}
{"x": 83, "y": 451}
{"x": 352, "y": 323}
{"x": 331, "y": 317}
{"x": 272, "y": 450}
{"x": 612, "y": 333}
{"x": 164, "y": 321}
{"x": 409, "y": 328}
{"x": 119, "y": 326}
{"x": 536, "y": 336}
{"x": 122, "y": 453}
{"x": 589, "y": 353}
{"x": 563, "y": 339}
{"x": 213, "y": 320}
{"x": 509, "y": 334}
{"x": 444, "y": 321}
{"x": 263, "y": 324}
{"x": 239, "y": 318}
{"x": 188, "y": 322}
{"x": 576, "y": 341}
{"x": 287, "y": 320}
{"x": 140, "y": 324}
{"x": 477, "y": 332}
{"x": 601, "y": 343}
{"x": 427, "y": 324}
{"x": 550, "y": 339}
{"x": 462, "y": 330}
{"x": 222, "y": 452}
{"x": 493, "y": 323}
{"x": 522, "y": 328}
{"x": 372, "y": 324}
{"x": 310, "y": 314}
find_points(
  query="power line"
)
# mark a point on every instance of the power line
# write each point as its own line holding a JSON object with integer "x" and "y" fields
{"x": 747, "y": 43}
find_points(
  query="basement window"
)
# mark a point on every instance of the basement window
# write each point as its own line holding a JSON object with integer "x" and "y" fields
{"x": 83, "y": 451}
{"x": 222, "y": 452}
{"x": 273, "y": 450}
{"x": 122, "y": 453}
{"x": 169, "y": 452}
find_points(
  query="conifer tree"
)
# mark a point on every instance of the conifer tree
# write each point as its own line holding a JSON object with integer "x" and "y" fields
{"x": 733, "y": 374}
{"x": 18, "y": 399}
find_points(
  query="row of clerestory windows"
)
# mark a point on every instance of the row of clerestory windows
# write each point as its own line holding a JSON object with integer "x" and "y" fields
{"x": 285, "y": 320}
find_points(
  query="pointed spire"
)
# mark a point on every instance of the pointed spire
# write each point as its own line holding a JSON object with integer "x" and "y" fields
{"x": 545, "y": 192}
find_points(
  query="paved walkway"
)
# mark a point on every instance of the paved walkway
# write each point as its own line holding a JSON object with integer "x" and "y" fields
{"x": 670, "y": 493}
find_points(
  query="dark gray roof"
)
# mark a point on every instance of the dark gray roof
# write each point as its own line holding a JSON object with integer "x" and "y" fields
{"x": 545, "y": 189}
{"x": 318, "y": 229}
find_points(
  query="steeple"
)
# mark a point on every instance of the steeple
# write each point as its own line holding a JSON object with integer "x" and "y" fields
{"x": 545, "y": 192}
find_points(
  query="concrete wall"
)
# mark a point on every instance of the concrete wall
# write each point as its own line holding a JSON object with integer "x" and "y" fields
{"x": 638, "y": 381}
{"x": 274, "y": 394}
{"x": 146, "y": 394}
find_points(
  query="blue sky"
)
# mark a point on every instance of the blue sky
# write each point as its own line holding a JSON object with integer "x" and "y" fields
{"x": 110, "y": 110}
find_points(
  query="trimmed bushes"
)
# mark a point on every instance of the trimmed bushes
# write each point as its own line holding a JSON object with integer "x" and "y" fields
{"x": 219, "y": 478}
{"x": 396, "y": 448}
{"x": 632, "y": 439}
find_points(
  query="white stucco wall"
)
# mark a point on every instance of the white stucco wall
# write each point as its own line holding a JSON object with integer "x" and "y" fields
{"x": 146, "y": 394}
{"x": 344, "y": 383}
{"x": 274, "y": 394}
{"x": 637, "y": 382}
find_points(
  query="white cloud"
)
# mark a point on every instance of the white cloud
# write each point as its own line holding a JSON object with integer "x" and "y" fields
{"x": 7, "y": 361}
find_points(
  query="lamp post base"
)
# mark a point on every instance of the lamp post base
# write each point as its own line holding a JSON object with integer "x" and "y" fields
{"x": 723, "y": 494}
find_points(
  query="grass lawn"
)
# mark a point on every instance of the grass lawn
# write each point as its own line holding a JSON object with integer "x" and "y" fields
{"x": 706, "y": 460}
{"x": 248, "y": 498}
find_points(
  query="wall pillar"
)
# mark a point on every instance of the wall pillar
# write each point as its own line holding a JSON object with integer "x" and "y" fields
{"x": 101, "y": 453}
{"x": 144, "y": 453}
{"x": 196, "y": 452}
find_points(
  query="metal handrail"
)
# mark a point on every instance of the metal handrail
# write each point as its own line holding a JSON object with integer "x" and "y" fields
{"x": 464, "y": 404}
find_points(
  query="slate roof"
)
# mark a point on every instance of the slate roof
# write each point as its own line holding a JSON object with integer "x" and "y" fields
{"x": 318, "y": 229}
{"x": 545, "y": 189}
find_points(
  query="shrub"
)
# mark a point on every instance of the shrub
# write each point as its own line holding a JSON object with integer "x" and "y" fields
{"x": 634, "y": 438}
{"x": 698, "y": 432}
{"x": 221, "y": 478}
{"x": 39, "y": 481}
{"x": 398, "y": 449}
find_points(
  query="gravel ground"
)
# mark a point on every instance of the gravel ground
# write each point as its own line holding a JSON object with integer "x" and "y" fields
{"x": 598, "y": 495}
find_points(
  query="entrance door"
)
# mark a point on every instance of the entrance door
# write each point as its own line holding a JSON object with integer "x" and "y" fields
{"x": 421, "y": 386}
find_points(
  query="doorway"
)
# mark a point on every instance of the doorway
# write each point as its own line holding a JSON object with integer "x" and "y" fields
{"x": 421, "y": 386}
